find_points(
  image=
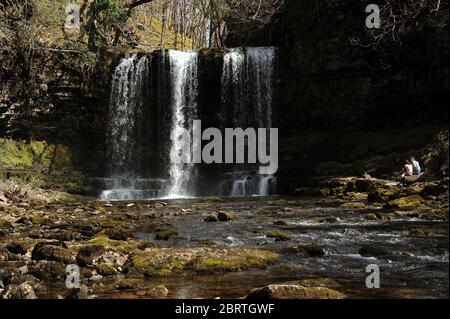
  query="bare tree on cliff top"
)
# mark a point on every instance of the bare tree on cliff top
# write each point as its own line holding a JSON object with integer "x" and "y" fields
{"x": 401, "y": 19}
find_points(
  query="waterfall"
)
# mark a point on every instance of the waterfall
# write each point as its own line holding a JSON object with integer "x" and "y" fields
{"x": 153, "y": 104}
{"x": 125, "y": 108}
{"x": 124, "y": 136}
{"x": 184, "y": 77}
{"x": 247, "y": 94}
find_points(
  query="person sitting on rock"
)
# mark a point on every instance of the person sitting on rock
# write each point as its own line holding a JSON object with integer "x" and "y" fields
{"x": 408, "y": 169}
{"x": 417, "y": 170}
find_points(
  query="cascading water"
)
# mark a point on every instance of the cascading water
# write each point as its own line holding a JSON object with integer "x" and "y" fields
{"x": 153, "y": 104}
{"x": 247, "y": 94}
{"x": 125, "y": 141}
{"x": 184, "y": 78}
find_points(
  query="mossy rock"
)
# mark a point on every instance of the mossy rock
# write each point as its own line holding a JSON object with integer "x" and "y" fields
{"x": 406, "y": 203}
{"x": 383, "y": 195}
{"x": 237, "y": 260}
{"x": 49, "y": 271}
{"x": 105, "y": 269}
{"x": 172, "y": 262}
{"x": 353, "y": 205}
{"x": 51, "y": 252}
{"x": 289, "y": 291}
{"x": 111, "y": 244}
{"x": 131, "y": 284}
{"x": 318, "y": 282}
{"x": 278, "y": 236}
{"x": 226, "y": 216}
{"x": 165, "y": 235}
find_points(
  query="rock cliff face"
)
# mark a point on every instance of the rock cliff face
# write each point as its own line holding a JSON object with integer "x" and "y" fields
{"x": 335, "y": 104}
{"x": 58, "y": 106}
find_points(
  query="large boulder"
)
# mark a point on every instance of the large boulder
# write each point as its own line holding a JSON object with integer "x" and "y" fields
{"x": 49, "y": 271}
{"x": 17, "y": 247}
{"x": 52, "y": 252}
{"x": 384, "y": 194}
{"x": 405, "y": 203}
{"x": 290, "y": 291}
{"x": 87, "y": 255}
{"x": 173, "y": 262}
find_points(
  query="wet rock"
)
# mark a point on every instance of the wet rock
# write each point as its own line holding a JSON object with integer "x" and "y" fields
{"x": 434, "y": 189}
{"x": 5, "y": 225}
{"x": 131, "y": 284}
{"x": 52, "y": 252}
{"x": 118, "y": 234}
{"x": 17, "y": 247}
{"x": 165, "y": 235}
{"x": 49, "y": 271}
{"x": 60, "y": 235}
{"x": 378, "y": 217}
{"x": 22, "y": 291}
{"x": 159, "y": 292}
{"x": 370, "y": 251}
{"x": 329, "y": 220}
{"x": 35, "y": 234}
{"x": 318, "y": 282}
{"x": 405, "y": 203}
{"x": 305, "y": 250}
{"x": 291, "y": 267}
{"x": 278, "y": 236}
{"x": 105, "y": 269}
{"x": 418, "y": 232}
{"x": 293, "y": 292}
{"x": 212, "y": 218}
{"x": 17, "y": 279}
{"x": 88, "y": 254}
{"x": 226, "y": 216}
{"x": 78, "y": 294}
{"x": 87, "y": 230}
{"x": 6, "y": 255}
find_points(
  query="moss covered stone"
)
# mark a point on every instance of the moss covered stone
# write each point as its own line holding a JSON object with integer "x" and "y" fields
{"x": 278, "y": 236}
{"x": 171, "y": 262}
{"x": 105, "y": 269}
{"x": 406, "y": 203}
{"x": 383, "y": 195}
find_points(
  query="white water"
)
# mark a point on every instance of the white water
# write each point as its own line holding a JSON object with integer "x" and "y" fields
{"x": 126, "y": 103}
{"x": 184, "y": 77}
{"x": 248, "y": 76}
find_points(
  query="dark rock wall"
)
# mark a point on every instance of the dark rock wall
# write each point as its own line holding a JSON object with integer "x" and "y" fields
{"x": 336, "y": 106}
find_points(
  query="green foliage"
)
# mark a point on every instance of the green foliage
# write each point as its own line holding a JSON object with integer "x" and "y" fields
{"x": 33, "y": 154}
{"x": 104, "y": 17}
